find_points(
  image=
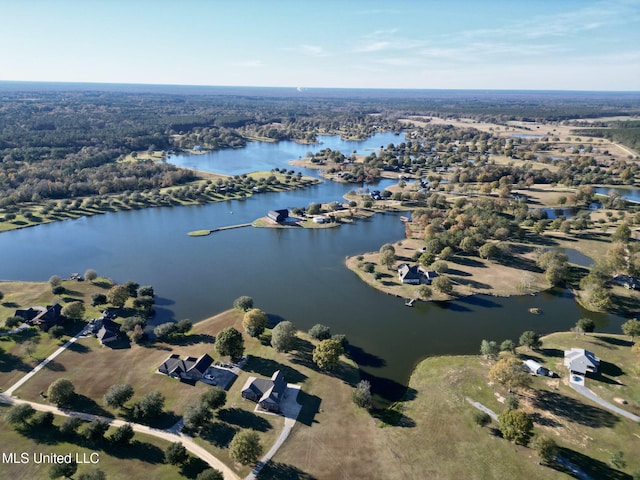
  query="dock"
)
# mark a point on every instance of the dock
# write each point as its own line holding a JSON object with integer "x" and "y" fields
{"x": 203, "y": 233}
{"x": 409, "y": 303}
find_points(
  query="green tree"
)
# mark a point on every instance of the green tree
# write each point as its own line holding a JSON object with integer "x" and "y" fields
{"x": 210, "y": 474}
{"x": 489, "y": 349}
{"x": 254, "y": 322}
{"x": 98, "y": 299}
{"x": 69, "y": 426}
{"x": 95, "y": 430}
{"x": 230, "y": 342}
{"x": 129, "y": 323}
{"x": 362, "y": 394}
{"x": 631, "y": 328}
{"x": 19, "y": 415}
{"x": 446, "y": 253}
{"x": 327, "y": 354}
{"x": 55, "y": 281}
{"x": 387, "y": 258}
{"x": 123, "y": 434}
{"x": 184, "y": 326}
{"x": 43, "y": 421}
{"x": 510, "y": 373}
{"x": 508, "y": 346}
{"x": 443, "y": 284}
{"x": 117, "y": 395}
{"x": 197, "y": 415}
{"x": 516, "y": 426}
{"x": 164, "y": 331}
{"x": 320, "y": 332}
{"x": 546, "y": 448}
{"x": 66, "y": 470}
{"x": 13, "y": 321}
{"x": 137, "y": 334}
{"x": 132, "y": 288}
{"x": 489, "y": 250}
{"x": 283, "y": 336}
{"x": 74, "y": 310}
{"x": 214, "y": 397}
{"x": 511, "y": 402}
{"x": 118, "y": 295}
{"x": 481, "y": 418}
{"x": 617, "y": 460}
{"x": 149, "y": 406}
{"x": 243, "y": 303}
{"x": 90, "y": 275}
{"x": 425, "y": 292}
{"x": 61, "y": 392}
{"x": 245, "y": 447}
{"x": 585, "y": 325}
{"x": 622, "y": 233}
{"x": 95, "y": 474}
{"x": 176, "y": 454}
{"x": 146, "y": 291}
{"x": 530, "y": 339}
{"x": 57, "y": 331}
{"x": 440, "y": 267}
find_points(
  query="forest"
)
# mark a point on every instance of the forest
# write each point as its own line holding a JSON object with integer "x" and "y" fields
{"x": 61, "y": 141}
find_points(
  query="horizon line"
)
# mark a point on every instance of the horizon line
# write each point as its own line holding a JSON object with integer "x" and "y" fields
{"x": 301, "y": 89}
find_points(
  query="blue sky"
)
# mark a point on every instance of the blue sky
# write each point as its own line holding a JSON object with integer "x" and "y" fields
{"x": 474, "y": 44}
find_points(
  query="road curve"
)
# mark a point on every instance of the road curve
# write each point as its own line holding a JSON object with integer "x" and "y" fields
{"x": 187, "y": 441}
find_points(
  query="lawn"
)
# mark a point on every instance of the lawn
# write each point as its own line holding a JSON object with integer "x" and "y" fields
{"x": 143, "y": 459}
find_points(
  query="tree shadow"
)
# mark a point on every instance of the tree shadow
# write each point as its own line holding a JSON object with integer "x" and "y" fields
{"x": 574, "y": 410}
{"x": 458, "y": 273}
{"x": 364, "y": 359}
{"x": 620, "y": 342}
{"x": 243, "y": 419}
{"x": 552, "y": 352}
{"x": 55, "y": 366}
{"x": 472, "y": 283}
{"x": 218, "y": 434}
{"x": 394, "y": 417}
{"x": 78, "y": 348}
{"x": 610, "y": 369}
{"x": 544, "y": 421}
{"x": 310, "y": 407}
{"x": 82, "y": 403}
{"x": 265, "y": 367}
{"x": 467, "y": 261}
{"x": 278, "y": 471}
{"x": 143, "y": 451}
{"x": 191, "y": 339}
{"x": 26, "y": 335}
{"x": 480, "y": 301}
{"x": 10, "y": 305}
{"x": 592, "y": 467}
{"x": 41, "y": 435}
{"x": 385, "y": 390}
{"x": 10, "y": 362}
{"x": 193, "y": 467}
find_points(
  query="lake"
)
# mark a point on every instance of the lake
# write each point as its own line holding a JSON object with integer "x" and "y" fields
{"x": 297, "y": 274}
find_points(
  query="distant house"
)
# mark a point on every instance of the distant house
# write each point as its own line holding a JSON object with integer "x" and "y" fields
{"x": 108, "y": 332}
{"x": 319, "y": 219}
{"x": 411, "y": 275}
{"x": 581, "y": 361}
{"x": 626, "y": 281}
{"x": 189, "y": 368}
{"x": 41, "y": 317}
{"x": 266, "y": 393}
{"x": 278, "y": 215}
{"x": 376, "y": 195}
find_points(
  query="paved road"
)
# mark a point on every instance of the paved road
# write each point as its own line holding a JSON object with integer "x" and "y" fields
{"x": 290, "y": 410}
{"x": 187, "y": 441}
{"x": 171, "y": 435}
{"x": 582, "y": 390}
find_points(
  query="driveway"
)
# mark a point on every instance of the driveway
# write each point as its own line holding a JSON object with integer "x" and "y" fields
{"x": 578, "y": 385}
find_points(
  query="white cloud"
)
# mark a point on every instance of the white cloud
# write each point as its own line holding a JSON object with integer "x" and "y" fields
{"x": 249, "y": 64}
{"x": 310, "y": 50}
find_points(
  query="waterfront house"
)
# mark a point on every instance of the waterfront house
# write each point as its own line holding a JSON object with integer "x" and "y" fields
{"x": 189, "y": 368}
{"x": 267, "y": 393}
{"x": 108, "y": 332}
{"x": 409, "y": 274}
{"x": 581, "y": 361}
{"x": 41, "y": 317}
{"x": 278, "y": 215}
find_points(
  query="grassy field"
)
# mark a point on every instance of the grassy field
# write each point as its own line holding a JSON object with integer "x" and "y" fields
{"x": 143, "y": 459}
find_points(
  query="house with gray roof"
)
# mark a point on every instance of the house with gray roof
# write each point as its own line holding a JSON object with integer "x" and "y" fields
{"x": 108, "y": 332}
{"x": 581, "y": 361}
{"x": 267, "y": 393}
{"x": 189, "y": 368}
{"x": 41, "y": 317}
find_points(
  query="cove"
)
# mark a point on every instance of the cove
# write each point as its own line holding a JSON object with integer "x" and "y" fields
{"x": 296, "y": 274}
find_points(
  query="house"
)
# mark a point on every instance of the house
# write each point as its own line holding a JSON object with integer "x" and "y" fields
{"x": 278, "y": 215}
{"x": 410, "y": 274}
{"x": 536, "y": 369}
{"x": 108, "y": 332}
{"x": 626, "y": 281}
{"x": 581, "y": 361}
{"x": 319, "y": 219}
{"x": 266, "y": 393}
{"x": 41, "y": 317}
{"x": 190, "y": 368}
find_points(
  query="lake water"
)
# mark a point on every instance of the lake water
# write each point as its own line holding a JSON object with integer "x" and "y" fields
{"x": 297, "y": 274}
{"x": 628, "y": 193}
